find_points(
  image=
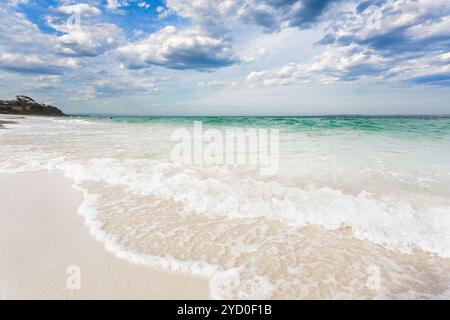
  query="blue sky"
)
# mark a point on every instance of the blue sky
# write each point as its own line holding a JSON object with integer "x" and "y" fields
{"x": 229, "y": 57}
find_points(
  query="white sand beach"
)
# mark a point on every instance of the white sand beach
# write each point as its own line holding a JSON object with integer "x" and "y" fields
{"x": 225, "y": 150}
{"x": 343, "y": 218}
{"x": 41, "y": 235}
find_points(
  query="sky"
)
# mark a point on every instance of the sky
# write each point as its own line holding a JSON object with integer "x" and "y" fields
{"x": 228, "y": 57}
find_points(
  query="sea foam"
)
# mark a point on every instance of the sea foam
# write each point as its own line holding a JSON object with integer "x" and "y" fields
{"x": 313, "y": 231}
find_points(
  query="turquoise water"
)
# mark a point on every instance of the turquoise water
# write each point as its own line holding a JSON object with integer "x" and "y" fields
{"x": 432, "y": 126}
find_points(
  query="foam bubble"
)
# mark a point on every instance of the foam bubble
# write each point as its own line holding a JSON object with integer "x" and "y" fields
{"x": 228, "y": 284}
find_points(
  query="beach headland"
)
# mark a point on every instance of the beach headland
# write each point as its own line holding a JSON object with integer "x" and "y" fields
{"x": 24, "y": 105}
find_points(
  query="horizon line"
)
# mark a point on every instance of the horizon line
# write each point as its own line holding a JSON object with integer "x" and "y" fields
{"x": 266, "y": 116}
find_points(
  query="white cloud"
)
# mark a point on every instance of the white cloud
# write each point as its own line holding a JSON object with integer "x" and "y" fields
{"x": 17, "y": 2}
{"x": 399, "y": 40}
{"x": 44, "y": 82}
{"x": 334, "y": 64}
{"x": 178, "y": 49}
{"x": 164, "y": 12}
{"x": 25, "y": 49}
{"x": 81, "y": 8}
{"x": 256, "y": 75}
{"x": 218, "y": 83}
{"x": 440, "y": 28}
{"x": 144, "y": 5}
{"x": 363, "y": 22}
{"x": 36, "y": 63}
{"x": 114, "y": 5}
{"x": 113, "y": 86}
{"x": 86, "y": 38}
{"x": 18, "y": 34}
{"x": 380, "y": 41}
{"x": 269, "y": 14}
{"x": 90, "y": 40}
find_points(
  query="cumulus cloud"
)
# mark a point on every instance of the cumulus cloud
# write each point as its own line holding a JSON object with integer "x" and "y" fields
{"x": 400, "y": 32}
{"x": 269, "y": 14}
{"x": 119, "y": 87}
{"x": 81, "y": 8}
{"x": 335, "y": 64}
{"x": 164, "y": 12}
{"x": 256, "y": 75}
{"x": 17, "y": 2}
{"x": 43, "y": 82}
{"x": 17, "y": 33}
{"x": 113, "y": 4}
{"x": 404, "y": 41}
{"x": 25, "y": 49}
{"x": 109, "y": 87}
{"x": 39, "y": 61}
{"x": 389, "y": 40}
{"x": 89, "y": 40}
{"x": 83, "y": 37}
{"x": 144, "y": 5}
{"x": 113, "y": 86}
{"x": 178, "y": 49}
{"x": 218, "y": 83}
{"x": 36, "y": 64}
{"x": 393, "y": 26}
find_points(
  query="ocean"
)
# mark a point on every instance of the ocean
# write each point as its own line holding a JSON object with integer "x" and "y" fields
{"x": 355, "y": 207}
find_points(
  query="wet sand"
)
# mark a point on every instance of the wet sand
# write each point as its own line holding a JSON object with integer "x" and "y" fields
{"x": 42, "y": 236}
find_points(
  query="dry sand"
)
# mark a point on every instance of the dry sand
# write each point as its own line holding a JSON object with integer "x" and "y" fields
{"x": 41, "y": 235}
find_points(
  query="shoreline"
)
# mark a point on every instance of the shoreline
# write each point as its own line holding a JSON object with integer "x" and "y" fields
{"x": 140, "y": 227}
{"x": 42, "y": 235}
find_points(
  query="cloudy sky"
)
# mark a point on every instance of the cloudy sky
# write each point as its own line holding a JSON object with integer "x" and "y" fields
{"x": 228, "y": 57}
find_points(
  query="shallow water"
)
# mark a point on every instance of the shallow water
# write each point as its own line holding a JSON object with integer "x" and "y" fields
{"x": 360, "y": 207}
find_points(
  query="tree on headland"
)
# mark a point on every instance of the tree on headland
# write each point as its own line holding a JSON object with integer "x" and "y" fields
{"x": 27, "y": 106}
